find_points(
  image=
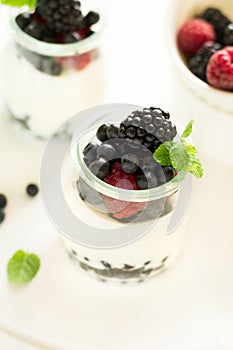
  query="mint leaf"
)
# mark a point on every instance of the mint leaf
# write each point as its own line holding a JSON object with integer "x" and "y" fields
{"x": 191, "y": 150}
{"x": 22, "y": 267}
{"x": 195, "y": 167}
{"x": 162, "y": 155}
{"x": 19, "y": 3}
{"x": 179, "y": 156}
{"x": 187, "y": 131}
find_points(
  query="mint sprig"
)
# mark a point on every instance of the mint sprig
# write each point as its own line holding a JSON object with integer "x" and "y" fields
{"x": 22, "y": 267}
{"x": 180, "y": 155}
{"x": 19, "y": 3}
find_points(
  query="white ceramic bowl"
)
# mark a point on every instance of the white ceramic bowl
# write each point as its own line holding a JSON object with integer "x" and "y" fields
{"x": 190, "y": 97}
{"x": 180, "y": 11}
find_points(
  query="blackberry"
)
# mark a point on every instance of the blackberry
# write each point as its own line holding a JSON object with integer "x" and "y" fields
{"x": 149, "y": 127}
{"x": 218, "y": 20}
{"x": 200, "y": 60}
{"x": 62, "y": 16}
{"x": 228, "y": 35}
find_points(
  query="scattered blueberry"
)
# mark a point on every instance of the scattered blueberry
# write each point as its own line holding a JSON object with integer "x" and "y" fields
{"x": 2, "y": 216}
{"x": 3, "y": 201}
{"x": 32, "y": 190}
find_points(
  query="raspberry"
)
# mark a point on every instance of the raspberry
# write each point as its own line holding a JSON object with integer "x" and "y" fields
{"x": 81, "y": 61}
{"x": 118, "y": 208}
{"x": 193, "y": 34}
{"x": 220, "y": 69}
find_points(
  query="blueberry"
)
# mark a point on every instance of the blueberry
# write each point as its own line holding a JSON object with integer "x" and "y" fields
{"x": 48, "y": 65}
{"x": 34, "y": 29}
{"x": 149, "y": 162}
{"x": 102, "y": 133}
{"x": 100, "y": 168}
{"x": 90, "y": 151}
{"x": 71, "y": 38}
{"x": 147, "y": 179}
{"x": 129, "y": 163}
{"x": 2, "y": 216}
{"x": 3, "y": 201}
{"x": 112, "y": 131}
{"x": 154, "y": 209}
{"x": 142, "y": 181}
{"x": 106, "y": 151}
{"x": 91, "y": 18}
{"x": 23, "y": 19}
{"x": 169, "y": 173}
{"x": 87, "y": 193}
{"x": 32, "y": 190}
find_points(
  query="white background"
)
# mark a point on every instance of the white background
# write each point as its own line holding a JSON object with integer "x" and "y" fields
{"x": 188, "y": 307}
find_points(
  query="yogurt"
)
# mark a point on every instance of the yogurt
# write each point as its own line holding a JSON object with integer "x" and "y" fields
{"x": 40, "y": 102}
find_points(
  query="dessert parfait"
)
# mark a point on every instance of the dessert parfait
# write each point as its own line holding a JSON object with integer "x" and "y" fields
{"x": 52, "y": 67}
{"x": 129, "y": 175}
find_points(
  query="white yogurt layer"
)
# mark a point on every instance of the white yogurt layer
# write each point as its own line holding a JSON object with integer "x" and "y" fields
{"x": 48, "y": 100}
{"x": 154, "y": 247}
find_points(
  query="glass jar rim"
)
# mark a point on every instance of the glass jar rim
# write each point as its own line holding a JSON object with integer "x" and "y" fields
{"x": 54, "y": 49}
{"x": 154, "y": 193}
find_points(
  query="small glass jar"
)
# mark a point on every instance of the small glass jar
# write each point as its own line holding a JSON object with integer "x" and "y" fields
{"x": 88, "y": 212}
{"x": 45, "y": 83}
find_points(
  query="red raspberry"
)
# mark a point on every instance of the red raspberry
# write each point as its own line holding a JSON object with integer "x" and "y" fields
{"x": 220, "y": 69}
{"x": 118, "y": 208}
{"x": 78, "y": 62}
{"x": 193, "y": 34}
{"x": 81, "y": 61}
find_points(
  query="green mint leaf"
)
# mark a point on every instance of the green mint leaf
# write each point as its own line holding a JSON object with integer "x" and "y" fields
{"x": 162, "y": 155}
{"x": 191, "y": 150}
{"x": 19, "y": 3}
{"x": 195, "y": 166}
{"x": 187, "y": 131}
{"x": 179, "y": 156}
{"x": 22, "y": 267}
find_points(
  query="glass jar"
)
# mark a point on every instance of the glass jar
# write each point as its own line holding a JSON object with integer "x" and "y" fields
{"x": 90, "y": 214}
{"x": 45, "y": 83}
